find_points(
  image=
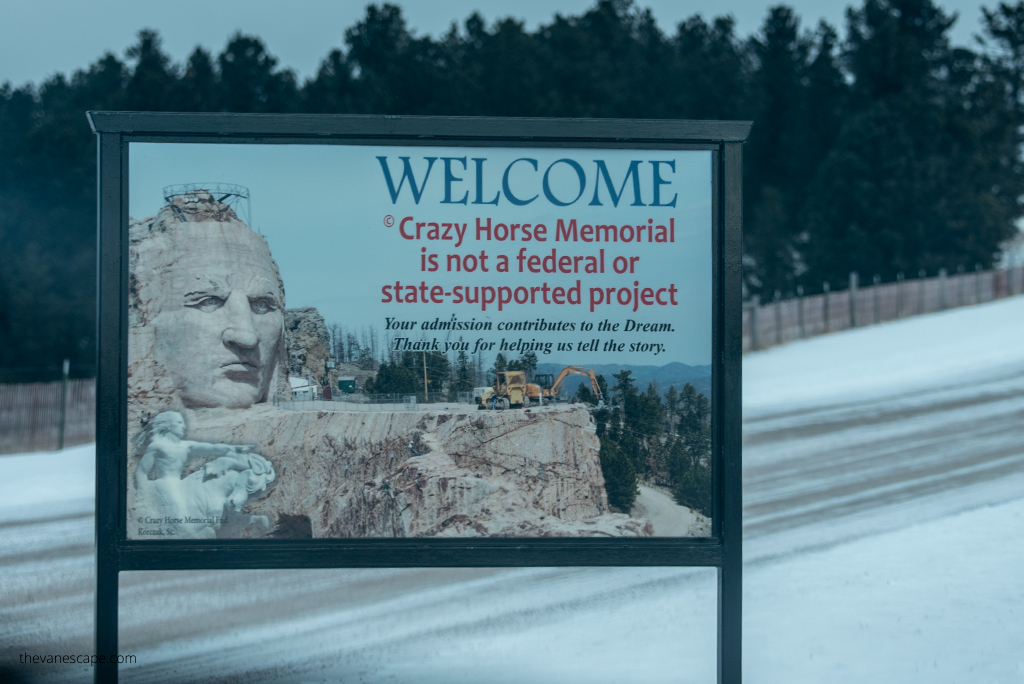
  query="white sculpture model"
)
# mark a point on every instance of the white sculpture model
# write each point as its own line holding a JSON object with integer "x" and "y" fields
{"x": 193, "y": 507}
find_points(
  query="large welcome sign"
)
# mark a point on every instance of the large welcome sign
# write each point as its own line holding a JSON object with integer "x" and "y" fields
{"x": 366, "y": 341}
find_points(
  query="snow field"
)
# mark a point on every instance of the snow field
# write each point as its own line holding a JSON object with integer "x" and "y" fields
{"x": 891, "y": 358}
{"x": 884, "y": 540}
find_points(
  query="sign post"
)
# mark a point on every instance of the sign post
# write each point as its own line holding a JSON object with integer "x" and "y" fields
{"x": 580, "y": 279}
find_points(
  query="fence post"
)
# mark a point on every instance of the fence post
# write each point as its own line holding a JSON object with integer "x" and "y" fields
{"x": 800, "y": 309}
{"x": 874, "y": 297}
{"x": 853, "y": 299}
{"x": 960, "y": 285}
{"x": 748, "y": 335}
{"x": 755, "y": 338}
{"x": 825, "y": 303}
{"x": 778, "y": 317}
{"x": 920, "y": 291}
{"x": 899, "y": 295}
{"x": 63, "y": 403}
{"x": 942, "y": 289}
{"x": 977, "y": 283}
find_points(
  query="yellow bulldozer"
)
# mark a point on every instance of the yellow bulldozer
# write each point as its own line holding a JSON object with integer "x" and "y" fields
{"x": 511, "y": 390}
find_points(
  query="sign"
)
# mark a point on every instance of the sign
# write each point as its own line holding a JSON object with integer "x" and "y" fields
{"x": 534, "y": 325}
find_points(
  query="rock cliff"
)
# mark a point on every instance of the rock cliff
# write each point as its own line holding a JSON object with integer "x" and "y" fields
{"x": 426, "y": 473}
{"x": 307, "y": 341}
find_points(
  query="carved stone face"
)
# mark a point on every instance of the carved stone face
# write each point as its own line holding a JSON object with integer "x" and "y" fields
{"x": 219, "y": 330}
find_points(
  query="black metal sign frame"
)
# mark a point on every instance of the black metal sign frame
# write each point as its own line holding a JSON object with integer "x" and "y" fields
{"x": 116, "y": 553}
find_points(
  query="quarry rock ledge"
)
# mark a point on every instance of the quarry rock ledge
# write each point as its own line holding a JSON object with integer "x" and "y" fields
{"x": 427, "y": 473}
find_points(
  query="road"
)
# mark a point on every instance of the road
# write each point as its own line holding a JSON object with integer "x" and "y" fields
{"x": 813, "y": 478}
{"x": 847, "y": 470}
{"x": 668, "y": 518}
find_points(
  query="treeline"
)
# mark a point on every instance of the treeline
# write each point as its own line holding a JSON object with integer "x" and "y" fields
{"x": 399, "y": 372}
{"x": 878, "y": 147}
{"x": 347, "y": 347}
{"x": 406, "y": 372}
{"x": 664, "y": 439}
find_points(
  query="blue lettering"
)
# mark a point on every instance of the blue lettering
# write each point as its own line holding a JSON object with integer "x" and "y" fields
{"x": 479, "y": 161}
{"x": 417, "y": 192}
{"x": 504, "y": 183}
{"x": 658, "y": 182}
{"x": 602, "y": 170}
{"x": 450, "y": 178}
{"x": 579, "y": 173}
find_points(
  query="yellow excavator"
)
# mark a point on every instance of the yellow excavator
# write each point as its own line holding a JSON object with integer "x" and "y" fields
{"x": 512, "y": 391}
{"x": 551, "y": 389}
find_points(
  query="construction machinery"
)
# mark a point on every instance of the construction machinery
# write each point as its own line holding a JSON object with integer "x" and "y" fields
{"x": 511, "y": 390}
{"x": 550, "y": 389}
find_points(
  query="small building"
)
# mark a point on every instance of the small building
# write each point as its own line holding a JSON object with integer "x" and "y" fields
{"x": 347, "y": 384}
{"x": 303, "y": 389}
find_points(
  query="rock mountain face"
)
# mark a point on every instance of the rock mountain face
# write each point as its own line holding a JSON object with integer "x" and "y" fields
{"x": 426, "y": 473}
{"x": 156, "y": 254}
{"x": 307, "y": 341}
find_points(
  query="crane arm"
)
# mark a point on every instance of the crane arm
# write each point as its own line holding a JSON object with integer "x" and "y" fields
{"x": 556, "y": 388}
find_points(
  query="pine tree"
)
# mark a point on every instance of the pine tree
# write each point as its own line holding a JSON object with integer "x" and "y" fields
{"x": 921, "y": 150}
{"x": 620, "y": 479}
{"x": 250, "y": 80}
{"x": 775, "y": 157}
{"x": 689, "y": 455}
{"x": 392, "y": 378}
{"x": 154, "y": 80}
{"x": 584, "y": 395}
{"x": 713, "y": 68}
{"x": 463, "y": 377}
{"x": 671, "y": 407}
{"x": 196, "y": 90}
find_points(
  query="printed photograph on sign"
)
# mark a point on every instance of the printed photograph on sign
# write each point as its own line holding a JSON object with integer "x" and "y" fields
{"x": 369, "y": 341}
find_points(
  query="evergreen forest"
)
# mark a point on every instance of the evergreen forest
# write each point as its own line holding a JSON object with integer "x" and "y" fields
{"x": 662, "y": 439}
{"x": 877, "y": 147}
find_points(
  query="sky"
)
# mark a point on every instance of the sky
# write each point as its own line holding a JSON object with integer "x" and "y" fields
{"x": 341, "y": 238}
{"x": 39, "y": 38}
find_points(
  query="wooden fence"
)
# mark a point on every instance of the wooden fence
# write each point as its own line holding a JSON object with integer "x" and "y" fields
{"x": 30, "y": 415}
{"x": 766, "y": 325}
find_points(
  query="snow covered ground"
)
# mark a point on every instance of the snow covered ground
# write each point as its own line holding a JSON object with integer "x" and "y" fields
{"x": 884, "y": 539}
